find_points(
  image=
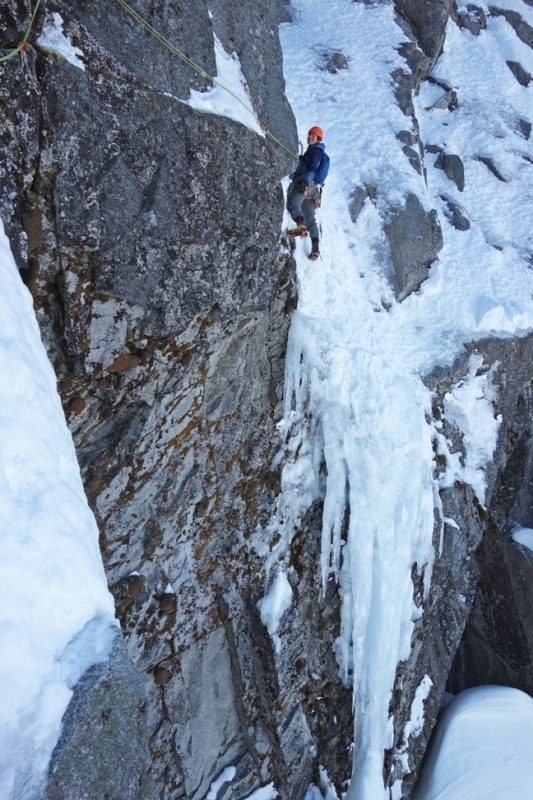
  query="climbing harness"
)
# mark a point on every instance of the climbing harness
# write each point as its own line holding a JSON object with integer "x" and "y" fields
{"x": 185, "y": 58}
{"x": 22, "y": 46}
{"x": 313, "y": 191}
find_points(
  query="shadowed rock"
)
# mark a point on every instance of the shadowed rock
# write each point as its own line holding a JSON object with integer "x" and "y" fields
{"x": 429, "y": 23}
{"x": 472, "y": 18}
{"x": 491, "y": 166}
{"x": 523, "y": 77}
{"x": 334, "y": 61}
{"x": 453, "y": 168}
{"x": 455, "y": 215}
{"x": 524, "y": 127}
{"x": 102, "y": 750}
{"x": 415, "y": 239}
{"x": 497, "y": 646}
{"x": 357, "y": 199}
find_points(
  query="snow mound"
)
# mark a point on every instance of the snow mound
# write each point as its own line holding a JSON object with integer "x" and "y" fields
{"x": 482, "y": 748}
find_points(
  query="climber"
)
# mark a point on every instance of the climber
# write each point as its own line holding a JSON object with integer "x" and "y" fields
{"x": 305, "y": 189}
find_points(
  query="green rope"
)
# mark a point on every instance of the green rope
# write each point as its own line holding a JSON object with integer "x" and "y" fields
{"x": 173, "y": 49}
{"x": 177, "y": 52}
{"x": 20, "y": 47}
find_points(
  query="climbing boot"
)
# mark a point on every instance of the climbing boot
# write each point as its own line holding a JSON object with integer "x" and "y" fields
{"x": 315, "y": 252}
{"x": 299, "y": 230}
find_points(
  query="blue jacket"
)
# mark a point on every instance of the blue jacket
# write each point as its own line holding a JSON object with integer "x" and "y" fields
{"x": 310, "y": 162}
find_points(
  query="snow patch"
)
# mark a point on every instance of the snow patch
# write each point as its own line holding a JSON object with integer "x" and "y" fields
{"x": 226, "y": 776}
{"x": 416, "y": 719}
{"x": 493, "y": 316}
{"x": 274, "y": 604}
{"x": 267, "y": 792}
{"x": 54, "y": 41}
{"x": 470, "y": 406}
{"x": 524, "y": 536}
{"x": 235, "y": 103}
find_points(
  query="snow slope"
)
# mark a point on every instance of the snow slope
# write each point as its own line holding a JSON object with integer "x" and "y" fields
{"x": 354, "y": 394}
{"x": 56, "y": 614}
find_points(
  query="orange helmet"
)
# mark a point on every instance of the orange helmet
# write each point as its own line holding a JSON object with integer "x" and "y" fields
{"x": 317, "y": 131}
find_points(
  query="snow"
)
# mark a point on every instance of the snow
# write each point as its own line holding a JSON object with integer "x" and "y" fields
{"x": 416, "y": 720}
{"x": 226, "y": 776}
{"x": 415, "y": 724}
{"x": 54, "y": 40}
{"x": 56, "y": 614}
{"x": 469, "y": 405}
{"x": 357, "y": 414}
{"x": 482, "y": 748}
{"x": 267, "y": 792}
{"x": 274, "y": 604}
{"x": 524, "y": 536}
{"x": 326, "y": 790}
{"x": 229, "y": 95}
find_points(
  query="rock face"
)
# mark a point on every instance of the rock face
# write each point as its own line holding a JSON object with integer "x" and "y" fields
{"x": 497, "y": 646}
{"x": 472, "y": 18}
{"x": 429, "y": 24}
{"x": 107, "y": 708}
{"x": 452, "y": 165}
{"x": 413, "y": 232}
{"x": 148, "y": 234}
{"x": 412, "y": 254}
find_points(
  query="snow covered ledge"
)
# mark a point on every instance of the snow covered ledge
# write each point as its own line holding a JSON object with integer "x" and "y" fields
{"x": 57, "y": 616}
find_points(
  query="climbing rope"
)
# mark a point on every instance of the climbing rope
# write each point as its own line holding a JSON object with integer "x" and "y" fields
{"x": 23, "y": 44}
{"x": 177, "y": 52}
